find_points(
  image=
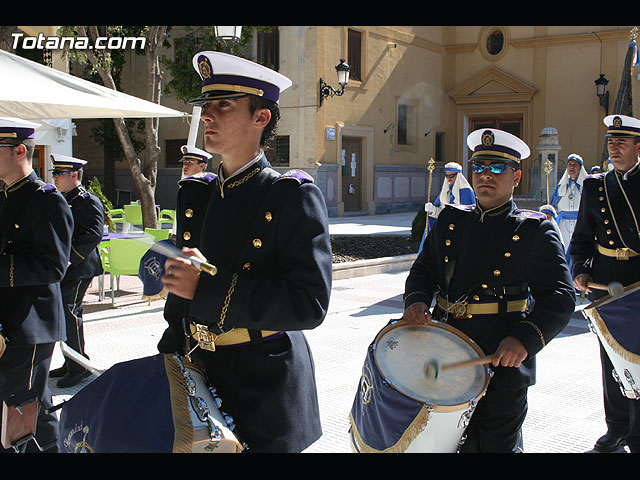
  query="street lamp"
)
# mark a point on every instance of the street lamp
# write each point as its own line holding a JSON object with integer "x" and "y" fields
{"x": 602, "y": 92}
{"x": 228, "y": 35}
{"x": 326, "y": 90}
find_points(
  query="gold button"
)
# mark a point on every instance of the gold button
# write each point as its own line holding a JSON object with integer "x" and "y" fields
{"x": 186, "y": 235}
{"x": 608, "y": 232}
{"x": 447, "y": 242}
{"x": 606, "y": 221}
{"x": 496, "y": 273}
{"x": 611, "y": 242}
{"x": 257, "y": 242}
{"x": 507, "y": 254}
{"x": 188, "y": 213}
{"x": 268, "y": 216}
{"x": 476, "y": 297}
{"x": 600, "y": 189}
{"x": 484, "y": 285}
{"x": 452, "y": 226}
{"x": 247, "y": 266}
{"x": 603, "y": 210}
{"x": 516, "y": 238}
{"x": 469, "y": 315}
{"x": 446, "y": 259}
{"x": 16, "y": 225}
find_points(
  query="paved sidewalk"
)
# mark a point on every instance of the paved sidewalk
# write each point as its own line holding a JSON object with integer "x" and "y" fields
{"x": 565, "y": 407}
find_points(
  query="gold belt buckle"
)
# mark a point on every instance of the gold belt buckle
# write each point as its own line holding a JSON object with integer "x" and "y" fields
{"x": 459, "y": 309}
{"x": 622, "y": 253}
{"x": 206, "y": 339}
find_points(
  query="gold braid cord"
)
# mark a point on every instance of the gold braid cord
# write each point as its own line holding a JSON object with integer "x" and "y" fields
{"x": 183, "y": 436}
{"x": 410, "y": 434}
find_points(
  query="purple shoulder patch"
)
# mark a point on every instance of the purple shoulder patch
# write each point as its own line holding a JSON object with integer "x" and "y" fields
{"x": 298, "y": 175}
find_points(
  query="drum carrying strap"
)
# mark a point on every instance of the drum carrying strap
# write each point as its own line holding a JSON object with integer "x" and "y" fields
{"x": 450, "y": 265}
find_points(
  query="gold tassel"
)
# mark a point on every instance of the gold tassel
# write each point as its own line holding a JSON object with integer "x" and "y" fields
{"x": 410, "y": 434}
{"x": 180, "y": 407}
{"x": 610, "y": 339}
{"x": 157, "y": 296}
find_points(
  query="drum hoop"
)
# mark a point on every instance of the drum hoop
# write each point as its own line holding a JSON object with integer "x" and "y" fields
{"x": 446, "y": 327}
{"x": 608, "y": 298}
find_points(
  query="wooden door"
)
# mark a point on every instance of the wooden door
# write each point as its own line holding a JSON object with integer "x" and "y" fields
{"x": 352, "y": 174}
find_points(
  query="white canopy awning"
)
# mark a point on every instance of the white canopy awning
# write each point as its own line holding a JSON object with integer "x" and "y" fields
{"x": 32, "y": 91}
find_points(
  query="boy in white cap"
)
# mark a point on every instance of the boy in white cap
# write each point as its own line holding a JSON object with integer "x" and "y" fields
{"x": 84, "y": 263}
{"x": 35, "y": 243}
{"x": 485, "y": 262}
{"x": 605, "y": 247}
{"x": 267, "y": 234}
{"x": 194, "y": 160}
{"x": 455, "y": 189}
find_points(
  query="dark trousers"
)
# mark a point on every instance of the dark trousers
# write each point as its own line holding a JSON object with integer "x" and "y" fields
{"x": 496, "y": 423}
{"x": 73, "y": 292}
{"x": 27, "y": 368}
{"x": 622, "y": 414}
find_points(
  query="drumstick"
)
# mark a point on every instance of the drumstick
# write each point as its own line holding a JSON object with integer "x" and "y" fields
{"x": 432, "y": 369}
{"x": 615, "y": 289}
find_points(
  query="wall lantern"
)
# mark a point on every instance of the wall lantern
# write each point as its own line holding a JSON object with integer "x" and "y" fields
{"x": 327, "y": 90}
{"x": 228, "y": 35}
{"x": 602, "y": 92}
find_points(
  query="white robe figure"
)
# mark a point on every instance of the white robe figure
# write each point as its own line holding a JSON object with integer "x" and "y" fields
{"x": 460, "y": 193}
{"x": 566, "y": 201}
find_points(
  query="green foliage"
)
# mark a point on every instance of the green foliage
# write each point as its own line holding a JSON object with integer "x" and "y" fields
{"x": 96, "y": 189}
{"x": 418, "y": 224}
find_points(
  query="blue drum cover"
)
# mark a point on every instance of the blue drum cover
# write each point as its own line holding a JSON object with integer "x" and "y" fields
{"x": 621, "y": 318}
{"x": 382, "y": 418}
{"x": 126, "y": 409}
{"x": 151, "y": 271}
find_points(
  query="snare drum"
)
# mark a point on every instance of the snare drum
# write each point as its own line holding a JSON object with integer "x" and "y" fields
{"x": 615, "y": 321}
{"x": 400, "y": 409}
{"x": 157, "y": 404}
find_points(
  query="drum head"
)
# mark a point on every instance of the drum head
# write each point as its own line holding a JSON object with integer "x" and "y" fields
{"x": 402, "y": 351}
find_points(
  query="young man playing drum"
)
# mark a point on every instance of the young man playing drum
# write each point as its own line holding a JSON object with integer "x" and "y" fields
{"x": 487, "y": 264}
{"x": 267, "y": 235}
{"x": 610, "y": 212}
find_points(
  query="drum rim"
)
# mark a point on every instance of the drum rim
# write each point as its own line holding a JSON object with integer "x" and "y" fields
{"x": 631, "y": 288}
{"x": 446, "y": 327}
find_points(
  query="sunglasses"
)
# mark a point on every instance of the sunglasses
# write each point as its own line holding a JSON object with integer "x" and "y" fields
{"x": 495, "y": 168}
{"x": 451, "y": 175}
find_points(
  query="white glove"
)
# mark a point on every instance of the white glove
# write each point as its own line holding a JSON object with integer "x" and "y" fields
{"x": 429, "y": 208}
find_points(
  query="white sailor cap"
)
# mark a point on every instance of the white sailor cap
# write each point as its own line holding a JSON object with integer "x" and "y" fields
{"x": 453, "y": 167}
{"x": 228, "y": 76}
{"x": 494, "y": 144}
{"x": 11, "y": 127}
{"x": 193, "y": 153}
{"x": 64, "y": 162}
{"x": 622, "y": 126}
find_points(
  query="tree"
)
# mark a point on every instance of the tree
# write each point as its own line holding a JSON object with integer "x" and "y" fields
{"x": 144, "y": 169}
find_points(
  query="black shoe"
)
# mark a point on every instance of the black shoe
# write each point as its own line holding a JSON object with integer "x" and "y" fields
{"x": 609, "y": 443}
{"x": 71, "y": 379}
{"x": 58, "y": 372}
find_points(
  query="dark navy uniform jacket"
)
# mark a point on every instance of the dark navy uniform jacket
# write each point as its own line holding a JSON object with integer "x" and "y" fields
{"x": 88, "y": 218}
{"x": 268, "y": 236}
{"x": 607, "y": 221}
{"x": 497, "y": 256}
{"x": 35, "y": 243}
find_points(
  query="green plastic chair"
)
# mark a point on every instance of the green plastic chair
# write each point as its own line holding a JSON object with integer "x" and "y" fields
{"x": 122, "y": 258}
{"x": 167, "y": 216}
{"x": 117, "y": 215}
{"x": 132, "y": 216}
{"x": 158, "y": 233}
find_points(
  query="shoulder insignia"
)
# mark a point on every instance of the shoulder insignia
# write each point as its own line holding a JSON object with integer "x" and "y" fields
{"x": 532, "y": 214}
{"x": 464, "y": 208}
{"x": 298, "y": 175}
{"x": 203, "y": 177}
{"x": 47, "y": 188}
